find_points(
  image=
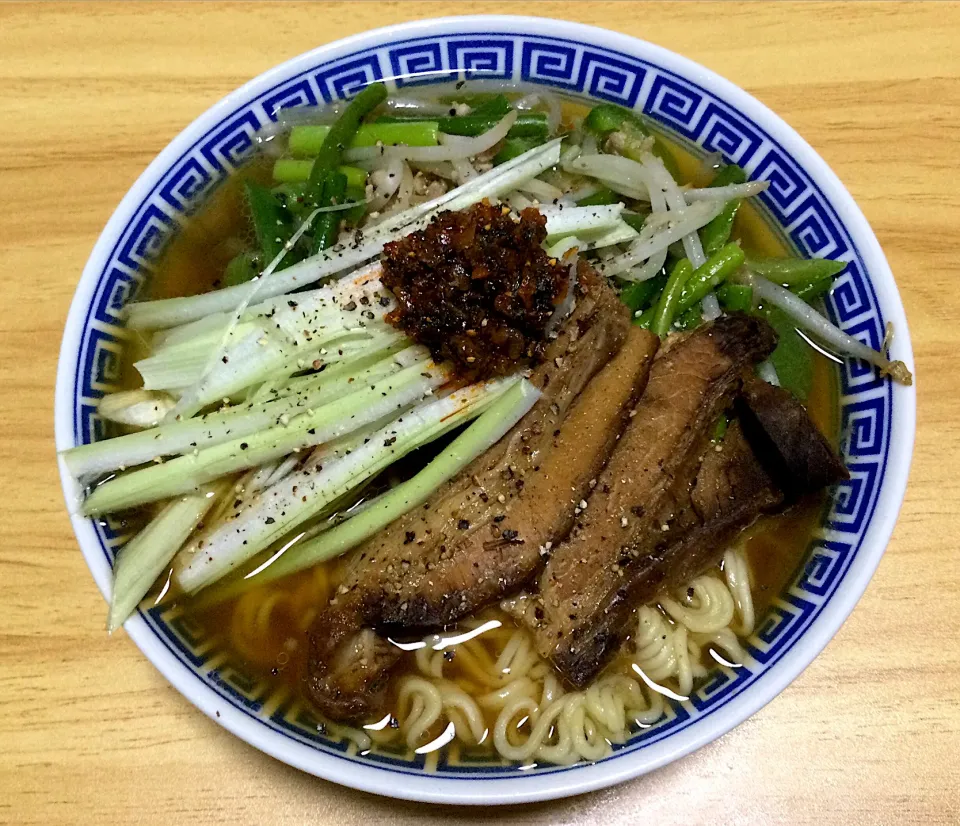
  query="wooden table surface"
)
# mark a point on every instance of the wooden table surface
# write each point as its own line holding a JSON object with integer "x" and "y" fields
{"x": 91, "y": 733}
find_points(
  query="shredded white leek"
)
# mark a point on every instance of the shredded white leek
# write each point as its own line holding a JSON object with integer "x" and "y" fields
{"x": 136, "y": 408}
{"x": 145, "y": 556}
{"x": 231, "y": 423}
{"x": 326, "y": 423}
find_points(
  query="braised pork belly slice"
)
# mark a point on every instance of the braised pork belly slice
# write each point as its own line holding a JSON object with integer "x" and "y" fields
{"x": 644, "y": 500}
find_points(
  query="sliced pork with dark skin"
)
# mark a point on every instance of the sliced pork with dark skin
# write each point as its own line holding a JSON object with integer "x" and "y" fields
{"x": 479, "y": 538}
{"x": 731, "y": 490}
{"x": 787, "y": 440}
{"x": 645, "y": 498}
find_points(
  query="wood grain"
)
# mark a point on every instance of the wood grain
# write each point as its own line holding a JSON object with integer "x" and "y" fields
{"x": 90, "y": 733}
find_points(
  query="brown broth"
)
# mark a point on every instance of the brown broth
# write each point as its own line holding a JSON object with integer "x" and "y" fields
{"x": 194, "y": 262}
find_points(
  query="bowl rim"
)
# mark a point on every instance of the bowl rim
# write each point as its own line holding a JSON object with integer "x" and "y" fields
{"x": 583, "y": 777}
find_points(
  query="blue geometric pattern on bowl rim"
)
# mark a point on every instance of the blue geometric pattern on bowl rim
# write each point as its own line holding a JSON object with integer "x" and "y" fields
{"x": 793, "y": 203}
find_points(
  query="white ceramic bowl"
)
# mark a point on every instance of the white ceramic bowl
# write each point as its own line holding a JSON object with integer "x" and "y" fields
{"x": 806, "y": 203}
